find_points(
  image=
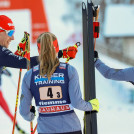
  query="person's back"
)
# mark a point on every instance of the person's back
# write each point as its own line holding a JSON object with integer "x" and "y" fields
{"x": 56, "y": 90}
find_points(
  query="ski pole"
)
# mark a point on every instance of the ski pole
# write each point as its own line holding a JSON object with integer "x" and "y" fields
{"x": 96, "y": 24}
{"x": 77, "y": 44}
{"x": 35, "y": 128}
{"x": 28, "y": 65}
{"x": 17, "y": 98}
{"x": 31, "y": 126}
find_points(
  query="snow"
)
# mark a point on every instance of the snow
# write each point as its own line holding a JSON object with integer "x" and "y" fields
{"x": 116, "y": 112}
{"x": 119, "y": 20}
{"x": 116, "y": 115}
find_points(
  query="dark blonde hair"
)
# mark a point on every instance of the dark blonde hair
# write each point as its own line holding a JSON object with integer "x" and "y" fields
{"x": 47, "y": 58}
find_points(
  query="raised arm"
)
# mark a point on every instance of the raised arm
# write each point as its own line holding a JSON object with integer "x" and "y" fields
{"x": 126, "y": 74}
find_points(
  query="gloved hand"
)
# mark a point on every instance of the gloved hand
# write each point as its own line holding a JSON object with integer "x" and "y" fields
{"x": 7, "y": 72}
{"x": 96, "y": 56}
{"x": 69, "y": 52}
{"x": 23, "y": 54}
{"x": 32, "y": 109}
{"x": 95, "y": 104}
{"x": 21, "y": 47}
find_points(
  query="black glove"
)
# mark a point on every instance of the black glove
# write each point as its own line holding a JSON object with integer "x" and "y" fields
{"x": 95, "y": 56}
{"x": 7, "y": 72}
{"x": 33, "y": 110}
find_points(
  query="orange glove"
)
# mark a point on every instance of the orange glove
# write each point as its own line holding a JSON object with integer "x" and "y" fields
{"x": 70, "y": 52}
{"x": 24, "y": 54}
{"x": 21, "y": 47}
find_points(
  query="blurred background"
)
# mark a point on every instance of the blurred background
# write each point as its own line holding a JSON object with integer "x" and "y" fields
{"x": 115, "y": 47}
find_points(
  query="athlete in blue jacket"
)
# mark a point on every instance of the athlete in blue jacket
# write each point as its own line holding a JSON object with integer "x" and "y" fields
{"x": 126, "y": 74}
{"x": 56, "y": 90}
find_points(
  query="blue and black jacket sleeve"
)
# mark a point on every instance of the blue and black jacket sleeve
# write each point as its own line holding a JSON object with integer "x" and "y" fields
{"x": 8, "y": 59}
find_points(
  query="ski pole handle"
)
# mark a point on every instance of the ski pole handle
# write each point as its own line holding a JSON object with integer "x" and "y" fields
{"x": 77, "y": 44}
{"x": 96, "y": 18}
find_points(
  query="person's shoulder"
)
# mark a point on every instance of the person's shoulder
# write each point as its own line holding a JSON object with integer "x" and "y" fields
{"x": 35, "y": 68}
{"x": 71, "y": 68}
{"x": 28, "y": 74}
{"x": 72, "y": 72}
{"x": 64, "y": 65}
{"x": 4, "y": 50}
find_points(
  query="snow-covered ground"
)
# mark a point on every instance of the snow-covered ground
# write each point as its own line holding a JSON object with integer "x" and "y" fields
{"x": 116, "y": 115}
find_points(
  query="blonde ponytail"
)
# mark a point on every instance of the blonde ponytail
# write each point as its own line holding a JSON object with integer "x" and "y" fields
{"x": 47, "y": 58}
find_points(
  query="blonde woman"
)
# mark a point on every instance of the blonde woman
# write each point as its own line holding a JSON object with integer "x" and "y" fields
{"x": 56, "y": 90}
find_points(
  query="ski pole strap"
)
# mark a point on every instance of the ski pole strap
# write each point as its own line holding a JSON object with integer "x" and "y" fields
{"x": 77, "y": 44}
{"x": 68, "y": 58}
{"x": 96, "y": 29}
{"x": 27, "y": 49}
